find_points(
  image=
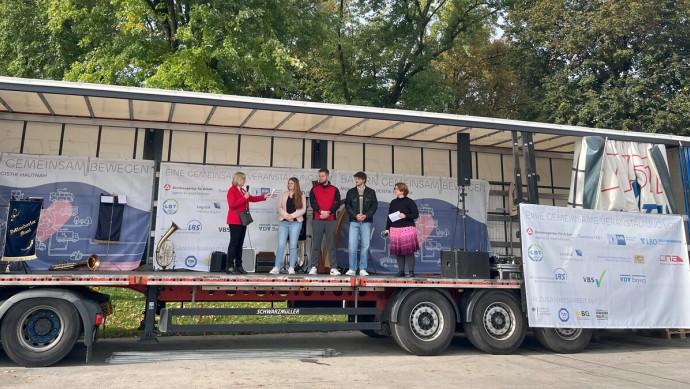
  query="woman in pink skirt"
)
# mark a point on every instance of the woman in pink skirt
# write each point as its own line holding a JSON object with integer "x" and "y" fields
{"x": 403, "y": 231}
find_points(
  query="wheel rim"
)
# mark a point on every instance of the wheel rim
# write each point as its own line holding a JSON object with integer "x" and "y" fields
{"x": 426, "y": 321}
{"x": 568, "y": 333}
{"x": 499, "y": 321}
{"x": 40, "y": 329}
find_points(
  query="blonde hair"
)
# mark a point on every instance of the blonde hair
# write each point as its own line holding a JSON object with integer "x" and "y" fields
{"x": 237, "y": 177}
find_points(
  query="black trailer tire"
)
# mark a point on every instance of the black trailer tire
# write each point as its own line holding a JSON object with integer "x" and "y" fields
{"x": 426, "y": 323}
{"x": 498, "y": 325}
{"x": 564, "y": 340}
{"x": 40, "y": 332}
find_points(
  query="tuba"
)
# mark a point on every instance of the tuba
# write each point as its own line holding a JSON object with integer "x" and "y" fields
{"x": 92, "y": 263}
{"x": 165, "y": 249}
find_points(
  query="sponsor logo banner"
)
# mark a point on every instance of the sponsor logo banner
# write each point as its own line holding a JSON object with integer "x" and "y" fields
{"x": 619, "y": 270}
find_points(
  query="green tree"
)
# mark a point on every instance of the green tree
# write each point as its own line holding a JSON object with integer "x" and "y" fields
{"x": 378, "y": 49}
{"x": 614, "y": 64}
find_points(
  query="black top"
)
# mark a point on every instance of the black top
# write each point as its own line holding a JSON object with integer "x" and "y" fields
{"x": 290, "y": 205}
{"x": 405, "y": 205}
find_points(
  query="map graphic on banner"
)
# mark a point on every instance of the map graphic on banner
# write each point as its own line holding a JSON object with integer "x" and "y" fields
{"x": 193, "y": 197}
{"x": 71, "y": 189}
{"x": 602, "y": 269}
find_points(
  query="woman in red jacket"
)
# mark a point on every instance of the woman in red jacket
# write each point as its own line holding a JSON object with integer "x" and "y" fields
{"x": 238, "y": 201}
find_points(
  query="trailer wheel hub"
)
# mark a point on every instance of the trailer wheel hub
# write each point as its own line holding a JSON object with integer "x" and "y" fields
{"x": 499, "y": 321}
{"x": 425, "y": 321}
{"x": 40, "y": 329}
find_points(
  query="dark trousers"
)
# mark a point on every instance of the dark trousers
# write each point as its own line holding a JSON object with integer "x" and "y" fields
{"x": 401, "y": 259}
{"x": 237, "y": 233}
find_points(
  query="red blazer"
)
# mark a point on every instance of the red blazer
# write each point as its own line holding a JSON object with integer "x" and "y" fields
{"x": 237, "y": 203}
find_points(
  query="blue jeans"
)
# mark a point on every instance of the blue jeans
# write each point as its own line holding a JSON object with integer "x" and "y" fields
{"x": 286, "y": 228}
{"x": 360, "y": 235}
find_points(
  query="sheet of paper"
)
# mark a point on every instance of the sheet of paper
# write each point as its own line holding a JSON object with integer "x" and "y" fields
{"x": 395, "y": 216}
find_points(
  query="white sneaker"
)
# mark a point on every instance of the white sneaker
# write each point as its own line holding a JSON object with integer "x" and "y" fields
{"x": 335, "y": 272}
{"x": 291, "y": 270}
{"x": 363, "y": 273}
{"x": 312, "y": 271}
{"x": 351, "y": 273}
{"x": 275, "y": 271}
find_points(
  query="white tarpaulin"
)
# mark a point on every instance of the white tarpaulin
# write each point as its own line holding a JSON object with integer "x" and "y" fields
{"x": 620, "y": 176}
{"x": 601, "y": 269}
{"x": 194, "y": 197}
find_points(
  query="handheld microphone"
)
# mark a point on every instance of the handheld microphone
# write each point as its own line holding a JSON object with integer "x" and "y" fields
{"x": 247, "y": 188}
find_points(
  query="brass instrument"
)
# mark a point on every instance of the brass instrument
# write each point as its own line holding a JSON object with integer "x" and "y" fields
{"x": 165, "y": 249}
{"x": 92, "y": 263}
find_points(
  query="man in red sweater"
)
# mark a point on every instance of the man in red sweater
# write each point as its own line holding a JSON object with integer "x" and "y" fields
{"x": 324, "y": 199}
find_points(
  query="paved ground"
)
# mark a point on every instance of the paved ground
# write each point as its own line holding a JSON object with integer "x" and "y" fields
{"x": 616, "y": 360}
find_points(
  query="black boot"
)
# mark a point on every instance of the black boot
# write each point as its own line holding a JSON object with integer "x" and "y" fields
{"x": 400, "y": 274}
{"x": 231, "y": 270}
{"x": 240, "y": 270}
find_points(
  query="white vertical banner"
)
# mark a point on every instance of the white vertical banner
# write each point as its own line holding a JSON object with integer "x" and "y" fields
{"x": 602, "y": 269}
{"x": 194, "y": 198}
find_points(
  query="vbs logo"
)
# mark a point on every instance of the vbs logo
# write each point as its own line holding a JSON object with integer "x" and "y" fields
{"x": 560, "y": 275}
{"x": 194, "y": 225}
{"x": 535, "y": 253}
{"x": 170, "y": 206}
{"x": 593, "y": 280}
{"x": 529, "y": 231}
{"x": 190, "y": 261}
{"x": 563, "y": 315}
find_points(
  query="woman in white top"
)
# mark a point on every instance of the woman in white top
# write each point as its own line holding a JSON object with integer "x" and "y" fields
{"x": 291, "y": 209}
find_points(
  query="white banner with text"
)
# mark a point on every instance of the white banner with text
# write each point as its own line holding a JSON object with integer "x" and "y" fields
{"x": 602, "y": 269}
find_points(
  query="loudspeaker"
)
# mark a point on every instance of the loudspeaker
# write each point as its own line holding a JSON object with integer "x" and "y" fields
{"x": 464, "y": 159}
{"x": 265, "y": 261}
{"x": 465, "y": 264}
{"x": 219, "y": 261}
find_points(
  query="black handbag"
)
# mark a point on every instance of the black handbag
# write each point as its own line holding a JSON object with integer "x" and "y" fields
{"x": 245, "y": 217}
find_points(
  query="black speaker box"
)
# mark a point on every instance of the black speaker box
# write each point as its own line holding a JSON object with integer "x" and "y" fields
{"x": 265, "y": 260}
{"x": 219, "y": 260}
{"x": 464, "y": 264}
{"x": 464, "y": 160}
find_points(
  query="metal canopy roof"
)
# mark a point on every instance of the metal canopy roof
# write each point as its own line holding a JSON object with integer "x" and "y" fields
{"x": 22, "y": 99}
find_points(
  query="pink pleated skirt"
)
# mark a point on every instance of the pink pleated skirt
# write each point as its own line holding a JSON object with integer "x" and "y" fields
{"x": 403, "y": 240}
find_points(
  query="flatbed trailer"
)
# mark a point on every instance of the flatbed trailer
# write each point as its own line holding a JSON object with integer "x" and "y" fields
{"x": 44, "y": 313}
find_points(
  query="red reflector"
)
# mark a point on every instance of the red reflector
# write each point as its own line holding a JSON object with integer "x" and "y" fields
{"x": 99, "y": 319}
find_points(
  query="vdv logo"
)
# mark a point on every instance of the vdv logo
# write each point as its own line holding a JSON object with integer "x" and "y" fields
{"x": 194, "y": 225}
{"x": 529, "y": 231}
{"x": 616, "y": 239}
{"x": 170, "y": 206}
{"x": 190, "y": 261}
{"x": 264, "y": 227}
{"x": 563, "y": 315}
{"x": 535, "y": 253}
{"x": 597, "y": 281}
{"x": 560, "y": 275}
{"x": 625, "y": 278}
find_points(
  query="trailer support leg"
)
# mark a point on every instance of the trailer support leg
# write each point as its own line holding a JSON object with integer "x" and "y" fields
{"x": 149, "y": 334}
